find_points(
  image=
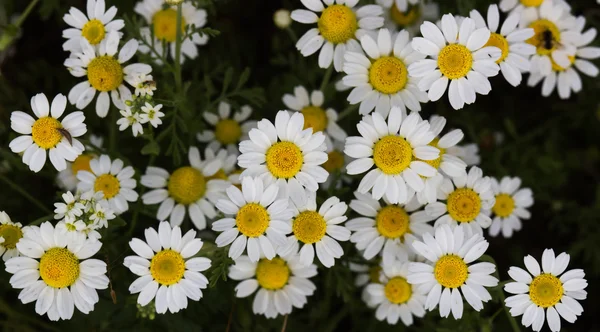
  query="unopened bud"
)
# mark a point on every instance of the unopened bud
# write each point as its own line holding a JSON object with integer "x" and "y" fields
{"x": 282, "y": 18}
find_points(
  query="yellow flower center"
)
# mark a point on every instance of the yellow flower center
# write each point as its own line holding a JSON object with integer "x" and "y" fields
{"x": 219, "y": 175}
{"x": 284, "y": 159}
{"x": 497, "y": 40}
{"x": 455, "y": 61}
{"x": 82, "y": 163}
{"x": 228, "y": 131}
{"x": 186, "y": 185}
{"x": 309, "y": 227}
{"x": 59, "y": 268}
{"x": 167, "y": 267}
{"x": 406, "y": 18}
{"x": 93, "y": 31}
{"x": 392, "y": 222}
{"x": 451, "y": 271}
{"x": 337, "y": 24}
{"x": 315, "y": 118}
{"x": 165, "y": 22}
{"x": 398, "y": 290}
{"x": 105, "y": 73}
{"x": 108, "y": 184}
{"x": 388, "y": 75}
{"x": 11, "y": 234}
{"x": 464, "y": 205}
{"x": 44, "y": 132}
{"x": 392, "y": 154}
{"x": 531, "y": 3}
{"x": 546, "y": 37}
{"x": 335, "y": 161}
{"x": 272, "y": 274}
{"x": 545, "y": 290}
{"x": 556, "y": 67}
{"x": 252, "y": 220}
{"x": 504, "y": 206}
{"x": 435, "y": 163}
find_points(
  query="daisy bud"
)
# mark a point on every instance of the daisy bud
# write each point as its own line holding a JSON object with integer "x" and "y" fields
{"x": 282, "y": 18}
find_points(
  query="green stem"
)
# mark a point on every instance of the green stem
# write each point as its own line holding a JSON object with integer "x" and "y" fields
{"x": 292, "y": 34}
{"x": 326, "y": 78}
{"x": 511, "y": 319}
{"x": 112, "y": 131}
{"x": 24, "y": 193}
{"x": 178, "y": 42}
{"x": 347, "y": 111}
{"x": 139, "y": 206}
{"x": 26, "y": 13}
{"x": 41, "y": 220}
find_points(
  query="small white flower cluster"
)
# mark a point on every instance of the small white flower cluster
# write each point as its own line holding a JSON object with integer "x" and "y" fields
{"x": 141, "y": 110}
{"x": 81, "y": 215}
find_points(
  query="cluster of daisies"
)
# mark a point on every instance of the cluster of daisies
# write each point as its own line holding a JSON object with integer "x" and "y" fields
{"x": 421, "y": 210}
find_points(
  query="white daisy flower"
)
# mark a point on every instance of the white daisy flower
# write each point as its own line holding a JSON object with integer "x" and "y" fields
{"x": 10, "y": 235}
{"x": 152, "y": 114}
{"x": 336, "y": 165}
{"x": 449, "y": 256}
{"x": 228, "y": 171}
{"x": 319, "y": 227}
{"x": 105, "y": 72}
{"x": 69, "y": 278}
{"x": 167, "y": 269}
{"x": 285, "y": 154}
{"x": 387, "y": 229}
{"x": 315, "y": 116}
{"x": 47, "y": 133}
{"x": 71, "y": 209}
{"x": 510, "y": 40}
{"x": 528, "y": 5}
{"x": 391, "y": 147}
{"x": 188, "y": 187}
{"x": 130, "y": 118}
{"x": 339, "y": 26}
{"x": 254, "y": 211}
{"x": 115, "y": 182}
{"x": 282, "y": 283}
{"x": 404, "y": 4}
{"x": 381, "y": 79}
{"x": 163, "y": 20}
{"x": 144, "y": 85}
{"x": 366, "y": 275}
{"x": 457, "y": 54}
{"x": 67, "y": 178}
{"x": 546, "y": 293}
{"x": 394, "y": 297}
{"x": 94, "y": 27}
{"x": 510, "y": 207}
{"x": 410, "y": 18}
{"x": 227, "y": 131}
{"x": 469, "y": 153}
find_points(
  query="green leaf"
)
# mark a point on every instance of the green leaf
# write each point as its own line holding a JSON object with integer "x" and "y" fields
{"x": 227, "y": 80}
{"x": 243, "y": 78}
{"x": 152, "y": 148}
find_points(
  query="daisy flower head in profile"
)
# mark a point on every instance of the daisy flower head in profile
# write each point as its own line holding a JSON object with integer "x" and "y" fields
{"x": 190, "y": 188}
{"x": 510, "y": 206}
{"x": 386, "y": 229}
{"x": 366, "y": 274}
{"x": 379, "y": 75}
{"x": 255, "y": 220}
{"x": 105, "y": 72}
{"x": 114, "y": 181}
{"x": 282, "y": 282}
{"x": 94, "y": 27}
{"x": 469, "y": 153}
{"x": 67, "y": 178}
{"x": 456, "y": 54}
{"x": 228, "y": 171}
{"x": 320, "y": 228}
{"x": 339, "y": 26}
{"x": 511, "y": 40}
{"x": 285, "y": 154}
{"x": 163, "y": 20}
{"x": 394, "y": 297}
{"x": 227, "y": 130}
{"x": 46, "y": 135}
{"x": 448, "y": 268}
{"x": 315, "y": 117}
{"x": 391, "y": 147}
{"x": 410, "y": 18}
{"x": 546, "y": 293}
{"x": 10, "y": 235}
{"x": 57, "y": 273}
{"x": 168, "y": 268}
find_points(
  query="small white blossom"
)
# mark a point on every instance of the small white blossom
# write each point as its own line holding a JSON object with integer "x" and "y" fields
{"x": 130, "y": 119}
{"x": 152, "y": 114}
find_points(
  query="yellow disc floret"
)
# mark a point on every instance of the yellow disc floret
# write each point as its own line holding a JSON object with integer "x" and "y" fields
{"x": 392, "y": 154}
{"x": 497, "y": 40}
{"x": 558, "y": 68}
{"x": 93, "y": 31}
{"x": 105, "y": 73}
{"x": 392, "y": 221}
{"x": 219, "y": 175}
{"x": 335, "y": 161}
{"x": 186, "y": 185}
{"x": 167, "y": 267}
{"x": 309, "y": 227}
{"x": 337, "y": 24}
{"x": 284, "y": 160}
{"x": 464, "y": 205}
{"x": 546, "y": 37}
{"x": 44, "y": 132}
{"x": 11, "y": 234}
{"x": 272, "y": 274}
{"x": 405, "y": 18}
{"x": 435, "y": 163}
{"x": 82, "y": 163}
{"x": 228, "y": 131}
{"x": 504, "y": 206}
{"x": 388, "y": 75}
{"x": 455, "y": 61}
{"x": 315, "y": 118}
{"x": 165, "y": 22}
{"x": 451, "y": 271}
{"x": 531, "y": 3}
{"x": 252, "y": 220}
{"x": 545, "y": 290}
{"x": 398, "y": 290}
{"x": 108, "y": 184}
{"x": 59, "y": 267}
